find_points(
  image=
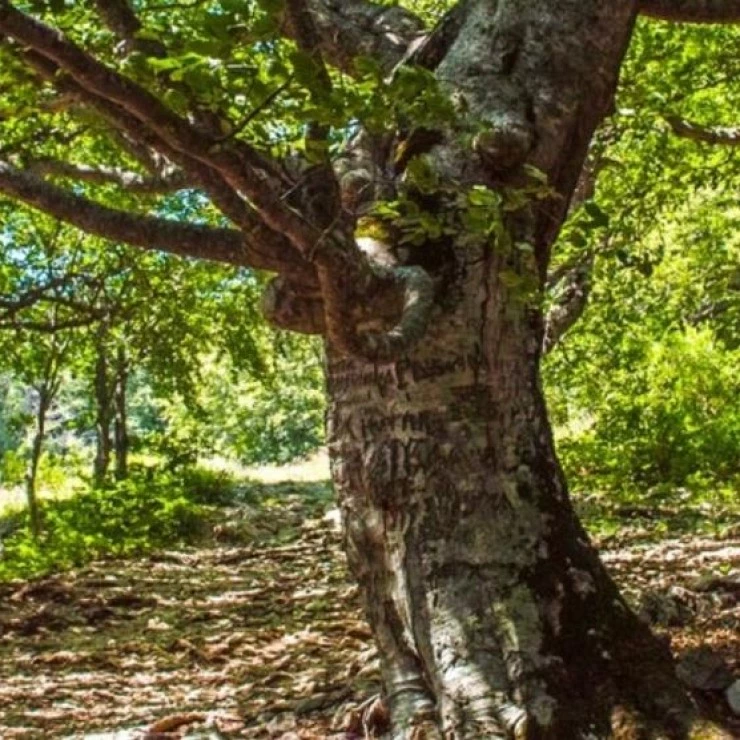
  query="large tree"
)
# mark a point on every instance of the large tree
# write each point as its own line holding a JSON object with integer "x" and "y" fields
{"x": 406, "y": 181}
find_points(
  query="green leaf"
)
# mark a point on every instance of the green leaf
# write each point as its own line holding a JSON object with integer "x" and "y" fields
{"x": 599, "y": 219}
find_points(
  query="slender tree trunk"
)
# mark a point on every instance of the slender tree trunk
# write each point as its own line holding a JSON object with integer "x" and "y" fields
{"x": 120, "y": 434}
{"x": 103, "y": 417}
{"x": 34, "y": 459}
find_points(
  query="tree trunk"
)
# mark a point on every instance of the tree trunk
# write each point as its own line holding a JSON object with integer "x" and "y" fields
{"x": 120, "y": 432}
{"x": 493, "y": 615}
{"x": 33, "y": 462}
{"x": 103, "y": 417}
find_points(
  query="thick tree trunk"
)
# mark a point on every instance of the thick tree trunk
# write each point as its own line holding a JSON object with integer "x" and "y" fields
{"x": 493, "y": 615}
{"x": 120, "y": 431}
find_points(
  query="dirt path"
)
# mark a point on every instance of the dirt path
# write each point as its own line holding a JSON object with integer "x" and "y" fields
{"x": 264, "y": 641}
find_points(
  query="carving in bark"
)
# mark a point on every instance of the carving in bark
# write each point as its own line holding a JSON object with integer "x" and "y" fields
{"x": 493, "y": 615}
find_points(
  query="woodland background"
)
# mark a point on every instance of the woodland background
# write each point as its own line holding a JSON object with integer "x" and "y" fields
{"x": 140, "y": 394}
{"x": 643, "y": 388}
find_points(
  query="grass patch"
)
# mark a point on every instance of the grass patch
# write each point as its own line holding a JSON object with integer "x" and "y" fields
{"x": 156, "y": 509}
{"x": 704, "y": 507}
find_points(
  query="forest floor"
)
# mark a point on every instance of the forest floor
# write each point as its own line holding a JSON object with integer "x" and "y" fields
{"x": 257, "y": 631}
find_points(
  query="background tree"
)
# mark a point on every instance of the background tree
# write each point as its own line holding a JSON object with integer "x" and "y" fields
{"x": 407, "y": 186}
{"x": 661, "y": 332}
{"x": 137, "y": 312}
{"x": 39, "y": 331}
{"x": 39, "y": 365}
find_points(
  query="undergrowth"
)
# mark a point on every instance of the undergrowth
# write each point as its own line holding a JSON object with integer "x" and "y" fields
{"x": 159, "y": 508}
{"x": 153, "y": 509}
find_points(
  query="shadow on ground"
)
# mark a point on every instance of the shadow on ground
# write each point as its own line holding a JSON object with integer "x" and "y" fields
{"x": 257, "y": 632}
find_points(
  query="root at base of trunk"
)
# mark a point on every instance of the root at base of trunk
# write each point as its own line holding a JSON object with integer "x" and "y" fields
{"x": 630, "y": 718}
{"x": 626, "y": 725}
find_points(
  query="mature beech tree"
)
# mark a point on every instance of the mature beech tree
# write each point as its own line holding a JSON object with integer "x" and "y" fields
{"x": 406, "y": 181}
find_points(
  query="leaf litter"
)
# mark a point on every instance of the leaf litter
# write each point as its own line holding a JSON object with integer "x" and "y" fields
{"x": 258, "y": 633}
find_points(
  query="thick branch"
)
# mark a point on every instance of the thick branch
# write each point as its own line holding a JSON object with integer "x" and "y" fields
{"x": 188, "y": 240}
{"x": 376, "y": 344}
{"x": 120, "y": 17}
{"x": 323, "y": 177}
{"x": 692, "y": 11}
{"x": 240, "y": 165}
{"x": 354, "y": 312}
{"x": 724, "y": 136}
{"x": 430, "y": 51}
{"x": 288, "y": 306}
{"x": 352, "y": 28}
{"x": 267, "y": 249}
{"x": 344, "y": 274}
{"x": 131, "y": 181}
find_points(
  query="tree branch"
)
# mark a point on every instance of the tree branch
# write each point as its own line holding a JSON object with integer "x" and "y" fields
{"x": 692, "y": 11}
{"x": 149, "y": 232}
{"x": 48, "y": 327}
{"x": 267, "y": 249}
{"x": 242, "y": 167}
{"x": 377, "y": 344}
{"x": 711, "y": 310}
{"x": 322, "y": 178}
{"x": 574, "y": 291}
{"x": 133, "y": 182}
{"x": 288, "y": 306}
{"x": 234, "y": 171}
{"x": 724, "y": 136}
{"x": 119, "y": 16}
{"x": 16, "y": 303}
{"x": 357, "y": 327}
{"x": 352, "y": 28}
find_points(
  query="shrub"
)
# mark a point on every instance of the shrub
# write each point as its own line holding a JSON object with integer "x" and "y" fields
{"x": 124, "y": 519}
{"x": 672, "y": 419}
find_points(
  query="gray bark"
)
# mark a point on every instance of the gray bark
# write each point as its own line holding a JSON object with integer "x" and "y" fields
{"x": 34, "y": 513}
{"x": 491, "y": 611}
{"x": 493, "y": 615}
{"x": 46, "y": 390}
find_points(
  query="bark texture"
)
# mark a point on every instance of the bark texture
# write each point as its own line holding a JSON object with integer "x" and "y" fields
{"x": 102, "y": 392}
{"x": 493, "y": 615}
{"x": 491, "y": 611}
{"x": 120, "y": 424}
{"x": 692, "y": 11}
{"x": 39, "y": 435}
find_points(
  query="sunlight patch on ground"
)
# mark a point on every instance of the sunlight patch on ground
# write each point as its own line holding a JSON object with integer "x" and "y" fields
{"x": 312, "y": 469}
{"x": 14, "y": 498}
